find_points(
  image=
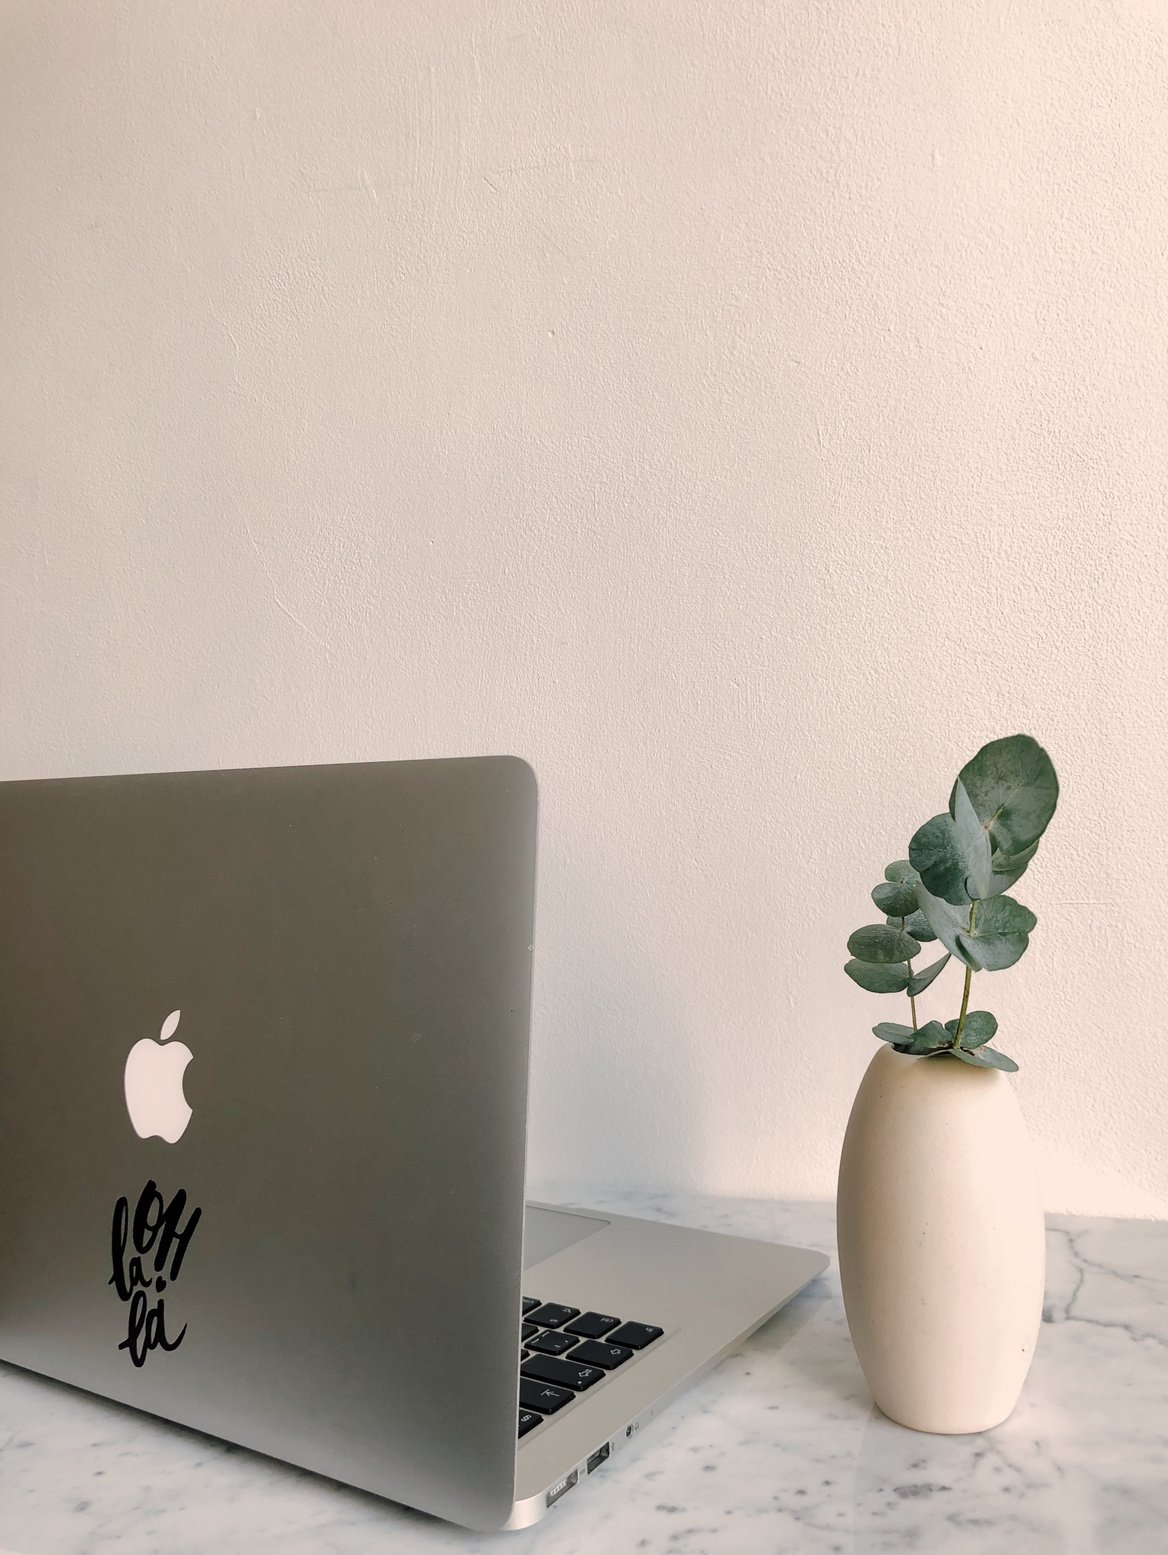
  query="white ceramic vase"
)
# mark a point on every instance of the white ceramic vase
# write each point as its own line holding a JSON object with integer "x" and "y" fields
{"x": 941, "y": 1241}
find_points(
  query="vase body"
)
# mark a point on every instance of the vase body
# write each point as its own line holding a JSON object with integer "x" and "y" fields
{"x": 942, "y": 1250}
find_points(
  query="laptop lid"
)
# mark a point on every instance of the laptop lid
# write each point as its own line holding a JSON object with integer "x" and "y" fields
{"x": 309, "y": 989}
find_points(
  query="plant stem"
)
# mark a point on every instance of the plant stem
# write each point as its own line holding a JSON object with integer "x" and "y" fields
{"x": 968, "y": 981}
{"x": 912, "y": 1003}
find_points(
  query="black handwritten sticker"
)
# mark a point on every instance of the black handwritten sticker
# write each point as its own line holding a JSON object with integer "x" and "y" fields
{"x": 157, "y": 1229}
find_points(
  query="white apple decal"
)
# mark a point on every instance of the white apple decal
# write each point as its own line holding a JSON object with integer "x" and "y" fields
{"x": 154, "y": 1085}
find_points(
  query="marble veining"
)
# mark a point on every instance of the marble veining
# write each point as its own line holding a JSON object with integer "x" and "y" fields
{"x": 779, "y": 1449}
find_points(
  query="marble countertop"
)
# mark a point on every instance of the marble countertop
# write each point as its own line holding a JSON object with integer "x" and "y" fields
{"x": 779, "y": 1449}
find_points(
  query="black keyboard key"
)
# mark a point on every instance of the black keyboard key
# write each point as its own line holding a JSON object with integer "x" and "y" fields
{"x": 552, "y": 1316}
{"x": 554, "y": 1342}
{"x": 524, "y": 1356}
{"x": 566, "y": 1373}
{"x": 528, "y": 1420}
{"x": 590, "y": 1352}
{"x": 528, "y": 1331}
{"x": 635, "y": 1335}
{"x": 541, "y": 1397}
{"x": 529, "y": 1304}
{"x": 593, "y": 1325}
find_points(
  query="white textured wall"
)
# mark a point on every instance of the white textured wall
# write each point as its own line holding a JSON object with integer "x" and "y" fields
{"x": 741, "y": 410}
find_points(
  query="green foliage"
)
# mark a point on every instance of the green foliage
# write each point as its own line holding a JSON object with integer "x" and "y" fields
{"x": 954, "y": 855}
{"x": 1012, "y": 786}
{"x": 901, "y": 869}
{"x": 985, "y": 1058}
{"x": 929, "y": 1038}
{"x": 946, "y": 921}
{"x": 892, "y": 1031}
{"x": 919, "y": 981}
{"x": 979, "y": 1027}
{"x": 952, "y": 888}
{"x": 934, "y": 1038}
{"x": 897, "y": 898}
{"x": 973, "y": 842}
{"x": 919, "y": 926}
{"x": 1008, "y": 868}
{"x": 936, "y": 853}
{"x": 878, "y": 979}
{"x": 881, "y": 944}
{"x": 998, "y": 934}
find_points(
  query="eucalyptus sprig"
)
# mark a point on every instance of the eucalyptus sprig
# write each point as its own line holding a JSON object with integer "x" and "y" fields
{"x": 952, "y": 889}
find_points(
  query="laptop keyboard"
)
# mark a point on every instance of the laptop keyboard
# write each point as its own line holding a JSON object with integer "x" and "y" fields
{"x": 565, "y": 1351}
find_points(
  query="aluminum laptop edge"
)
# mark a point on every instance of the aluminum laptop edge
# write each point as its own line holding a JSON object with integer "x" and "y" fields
{"x": 263, "y": 1090}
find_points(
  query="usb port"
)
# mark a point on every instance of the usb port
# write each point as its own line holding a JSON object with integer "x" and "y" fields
{"x": 598, "y": 1457}
{"x": 562, "y": 1488}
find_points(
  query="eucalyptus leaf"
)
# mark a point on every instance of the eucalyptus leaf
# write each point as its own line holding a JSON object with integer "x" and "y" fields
{"x": 979, "y": 1028}
{"x": 878, "y": 979}
{"x": 985, "y": 1058}
{"x": 973, "y": 844}
{"x": 897, "y": 898}
{"x": 901, "y": 869}
{"x": 1008, "y": 869}
{"x": 952, "y": 889}
{"x": 999, "y": 935}
{"x": 947, "y": 922}
{"x": 930, "y": 1038}
{"x": 919, "y": 981}
{"x": 935, "y": 852}
{"x": 919, "y": 926}
{"x": 890, "y": 1031}
{"x": 879, "y": 943}
{"x": 1012, "y": 786}
{"x": 952, "y": 1025}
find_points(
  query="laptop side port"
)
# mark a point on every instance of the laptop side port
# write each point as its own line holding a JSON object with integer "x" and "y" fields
{"x": 563, "y": 1487}
{"x": 598, "y": 1457}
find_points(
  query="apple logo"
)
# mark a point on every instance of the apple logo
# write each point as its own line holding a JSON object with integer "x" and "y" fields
{"x": 154, "y": 1085}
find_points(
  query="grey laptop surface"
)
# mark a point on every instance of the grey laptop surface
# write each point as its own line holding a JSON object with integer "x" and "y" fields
{"x": 263, "y": 1088}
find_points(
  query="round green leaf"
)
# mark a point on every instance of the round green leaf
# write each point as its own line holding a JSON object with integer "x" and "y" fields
{"x": 897, "y": 898}
{"x": 985, "y": 1058}
{"x": 935, "y": 852}
{"x": 889, "y": 1031}
{"x": 973, "y": 843}
{"x": 948, "y": 922}
{"x": 1012, "y": 786}
{"x": 921, "y": 980}
{"x": 979, "y": 1027}
{"x": 930, "y": 1038}
{"x": 1008, "y": 869}
{"x": 900, "y": 870}
{"x": 915, "y": 924}
{"x": 1000, "y": 933}
{"x": 879, "y": 943}
{"x": 878, "y": 979}
{"x": 919, "y": 927}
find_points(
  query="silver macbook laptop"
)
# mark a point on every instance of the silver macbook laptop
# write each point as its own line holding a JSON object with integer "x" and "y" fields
{"x": 263, "y": 1097}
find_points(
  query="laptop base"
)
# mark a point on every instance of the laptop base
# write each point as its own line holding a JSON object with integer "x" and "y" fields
{"x": 706, "y": 1291}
